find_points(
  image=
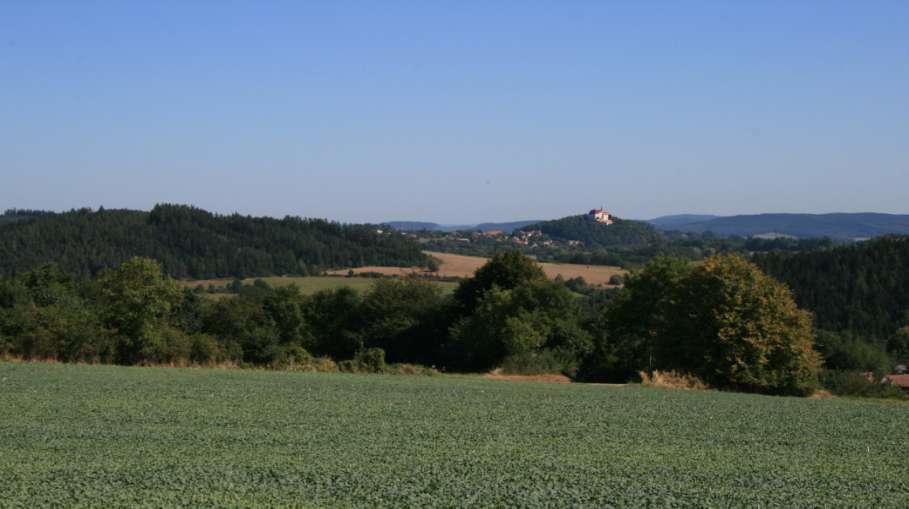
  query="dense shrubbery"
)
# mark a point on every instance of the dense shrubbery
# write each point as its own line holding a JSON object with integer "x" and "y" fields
{"x": 863, "y": 385}
{"x": 723, "y": 321}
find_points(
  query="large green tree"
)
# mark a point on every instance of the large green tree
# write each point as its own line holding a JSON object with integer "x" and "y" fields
{"x": 724, "y": 320}
{"x": 404, "y": 317}
{"x": 505, "y": 271}
{"x": 529, "y": 319}
{"x": 136, "y": 301}
{"x": 742, "y": 329}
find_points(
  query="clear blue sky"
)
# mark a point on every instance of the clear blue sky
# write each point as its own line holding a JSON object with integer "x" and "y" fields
{"x": 456, "y": 111}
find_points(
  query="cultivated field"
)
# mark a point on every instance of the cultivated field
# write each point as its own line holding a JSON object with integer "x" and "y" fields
{"x": 75, "y": 435}
{"x": 454, "y": 265}
{"x": 309, "y": 284}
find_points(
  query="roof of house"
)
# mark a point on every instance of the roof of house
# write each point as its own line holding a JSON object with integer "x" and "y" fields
{"x": 899, "y": 380}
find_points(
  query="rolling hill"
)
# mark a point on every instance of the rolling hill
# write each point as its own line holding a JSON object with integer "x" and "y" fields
{"x": 193, "y": 243}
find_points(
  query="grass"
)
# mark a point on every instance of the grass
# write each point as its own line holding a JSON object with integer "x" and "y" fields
{"x": 73, "y": 435}
{"x": 310, "y": 284}
{"x": 463, "y": 266}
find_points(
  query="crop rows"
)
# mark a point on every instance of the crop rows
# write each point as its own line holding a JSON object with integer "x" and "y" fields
{"x": 107, "y": 436}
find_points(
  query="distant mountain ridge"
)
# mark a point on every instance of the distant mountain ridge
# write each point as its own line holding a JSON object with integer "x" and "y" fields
{"x": 667, "y": 222}
{"x": 507, "y": 227}
{"x": 835, "y": 225}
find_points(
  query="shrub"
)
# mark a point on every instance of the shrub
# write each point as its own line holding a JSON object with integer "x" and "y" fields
{"x": 845, "y": 351}
{"x": 205, "y": 349}
{"x": 288, "y": 356}
{"x": 672, "y": 380}
{"x": 853, "y": 383}
{"x": 371, "y": 360}
{"x": 164, "y": 345}
{"x": 540, "y": 362}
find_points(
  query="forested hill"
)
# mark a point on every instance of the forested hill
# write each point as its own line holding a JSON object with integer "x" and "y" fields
{"x": 15, "y": 215}
{"x": 836, "y": 226}
{"x": 193, "y": 243}
{"x": 622, "y": 232}
{"x": 863, "y": 288}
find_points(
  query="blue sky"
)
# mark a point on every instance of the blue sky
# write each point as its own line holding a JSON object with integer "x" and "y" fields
{"x": 456, "y": 111}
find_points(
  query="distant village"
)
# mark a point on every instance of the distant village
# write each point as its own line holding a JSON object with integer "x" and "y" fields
{"x": 523, "y": 238}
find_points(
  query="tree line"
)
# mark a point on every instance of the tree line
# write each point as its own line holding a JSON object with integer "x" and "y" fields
{"x": 192, "y": 243}
{"x": 724, "y": 321}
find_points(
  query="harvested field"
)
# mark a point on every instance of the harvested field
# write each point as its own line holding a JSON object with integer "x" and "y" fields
{"x": 454, "y": 265}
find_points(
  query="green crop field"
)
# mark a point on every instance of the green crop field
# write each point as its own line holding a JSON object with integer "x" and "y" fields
{"x": 74, "y": 435}
{"x": 310, "y": 284}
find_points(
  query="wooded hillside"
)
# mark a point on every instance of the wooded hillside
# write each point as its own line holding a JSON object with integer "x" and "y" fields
{"x": 863, "y": 287}
{"x": 193, "y": 243}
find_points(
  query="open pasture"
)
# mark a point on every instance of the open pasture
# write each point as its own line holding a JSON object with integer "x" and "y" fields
{"x": 309, "y": 284}
{"x": 454, "y": 265}
{"x": 76, "y": 435}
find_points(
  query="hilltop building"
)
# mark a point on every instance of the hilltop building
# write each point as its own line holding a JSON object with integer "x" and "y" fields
{"x": 601, "y": 216}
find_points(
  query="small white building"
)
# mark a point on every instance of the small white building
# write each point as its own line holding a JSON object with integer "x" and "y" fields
{"x": 601, "y": 216}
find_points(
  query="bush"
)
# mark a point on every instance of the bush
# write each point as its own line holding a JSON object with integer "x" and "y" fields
{"x": 542, "y": 362}
{"x": 853, "y": 383}
{"x": 289, "y": 356}
{"x": 205, "y": 349}
{"x": 164, "y": 345}
{"x": 371, "y": 360}
{"x": 672, "y": 380}
{"x": 845, "y": 351}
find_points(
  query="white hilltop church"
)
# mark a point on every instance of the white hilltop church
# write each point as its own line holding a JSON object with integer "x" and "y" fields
{"x": 601, "y": 216}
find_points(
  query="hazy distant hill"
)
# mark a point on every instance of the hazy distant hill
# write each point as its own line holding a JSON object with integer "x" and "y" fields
{"x": 485, "y": 227}
{"x": 193, "y": 243}
{"x": 841, "y": 226}
{"x": 669, "y": 222}
{"x": 623, "y": 232}
{"x": 413, "y": 226}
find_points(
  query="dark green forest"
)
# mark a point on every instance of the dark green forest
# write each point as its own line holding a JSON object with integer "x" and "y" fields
{"x": 861, "y": 288}
{"x": 192, "y": 243}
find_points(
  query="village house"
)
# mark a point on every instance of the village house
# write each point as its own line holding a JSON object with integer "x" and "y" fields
{"x": 901, "y": 381}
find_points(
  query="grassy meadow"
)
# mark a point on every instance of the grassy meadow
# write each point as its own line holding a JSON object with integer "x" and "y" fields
{"x": 78, "y": 435}
{"x": 309, "y": 284}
